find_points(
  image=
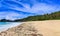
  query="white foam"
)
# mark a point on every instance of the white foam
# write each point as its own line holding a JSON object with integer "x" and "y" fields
{"x": 10, "y": 25}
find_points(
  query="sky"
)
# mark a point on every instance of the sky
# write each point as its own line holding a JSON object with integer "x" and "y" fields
{"x": 17, "y": 9}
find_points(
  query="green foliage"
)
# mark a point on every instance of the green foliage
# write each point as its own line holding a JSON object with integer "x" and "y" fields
{"x": 52, "y": 16}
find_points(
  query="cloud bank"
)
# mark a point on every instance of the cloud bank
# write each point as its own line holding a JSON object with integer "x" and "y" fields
{"x": 27, "y": 6}
{"x": 11, "y": 15}
{"x": 36, "y": 7}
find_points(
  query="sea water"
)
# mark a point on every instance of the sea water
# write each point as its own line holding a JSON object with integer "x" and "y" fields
{"x": 6, "y": 25}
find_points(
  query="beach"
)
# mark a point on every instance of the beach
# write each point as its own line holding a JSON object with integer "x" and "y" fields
{"x": 34, "y": 28}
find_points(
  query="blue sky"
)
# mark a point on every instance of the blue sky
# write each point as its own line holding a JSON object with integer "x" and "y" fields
{"x": 16, "y": 9}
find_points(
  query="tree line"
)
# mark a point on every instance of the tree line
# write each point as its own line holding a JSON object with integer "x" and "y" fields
{"x": 52, "y": 16}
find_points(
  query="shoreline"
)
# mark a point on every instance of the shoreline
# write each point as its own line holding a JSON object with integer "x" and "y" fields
{"x": 10, "y": 25}
{"x": 43, "y": 28}
{"x": 18, "y": 24}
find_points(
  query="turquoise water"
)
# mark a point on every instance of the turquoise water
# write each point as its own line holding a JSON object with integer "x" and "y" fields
{"x": 7, "y": 25}
{"x": 3, "y": 23}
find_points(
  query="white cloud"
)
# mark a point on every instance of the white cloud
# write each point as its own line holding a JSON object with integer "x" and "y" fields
{"x": 11, "y": 15}
{"x": 36, "y": 8}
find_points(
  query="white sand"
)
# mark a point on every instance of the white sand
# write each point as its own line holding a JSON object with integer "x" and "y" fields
{"x": 48, "y": 28}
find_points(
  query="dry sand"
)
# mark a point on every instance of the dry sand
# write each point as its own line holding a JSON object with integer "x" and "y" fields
{"x": 35, "y": 28}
